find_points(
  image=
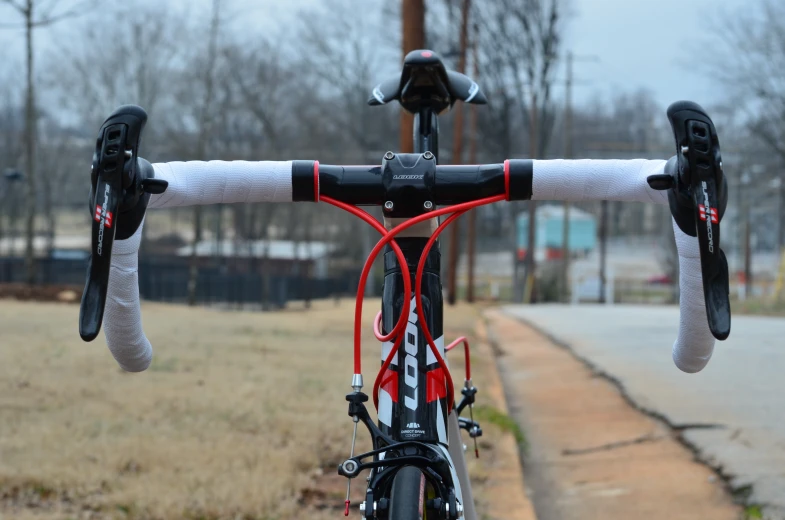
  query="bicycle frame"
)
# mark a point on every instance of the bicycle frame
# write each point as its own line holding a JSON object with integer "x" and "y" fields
{"x": 412, "y": 402}
{"x": 414, "y": 428}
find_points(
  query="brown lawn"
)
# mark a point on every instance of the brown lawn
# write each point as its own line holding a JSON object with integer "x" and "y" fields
{"x": 242, "y": 414}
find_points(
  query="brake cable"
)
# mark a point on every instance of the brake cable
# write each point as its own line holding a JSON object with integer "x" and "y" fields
{"x": 388, "y": 237}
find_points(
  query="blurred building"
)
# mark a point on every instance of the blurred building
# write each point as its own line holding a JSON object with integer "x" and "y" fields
{"x": 582, "y": 235}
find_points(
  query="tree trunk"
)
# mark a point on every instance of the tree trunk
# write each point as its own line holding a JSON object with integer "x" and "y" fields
{"x": 311, "y": 262}
{"x": 457, "y": 155}
{"x": 30, "y": 138}
{"x": 201, "y": 145}
{"x": 193, "y": 272}
{"x": 49, "y": 214}
{"x": 413, "y": 18}
{"x": 529, "y": 294}
{"x": 603, "y": 246}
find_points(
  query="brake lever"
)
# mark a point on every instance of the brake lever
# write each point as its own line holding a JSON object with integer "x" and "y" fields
{"x": 698, "y": 196}
{"x": 121, "y": 184}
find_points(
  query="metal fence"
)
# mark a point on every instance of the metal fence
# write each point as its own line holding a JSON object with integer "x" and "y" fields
{"x": 166, "y": 279}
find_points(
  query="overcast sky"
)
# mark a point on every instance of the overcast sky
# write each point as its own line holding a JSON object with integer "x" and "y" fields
{"x": 640, "y": 43}
{"x": 647, "y": 43}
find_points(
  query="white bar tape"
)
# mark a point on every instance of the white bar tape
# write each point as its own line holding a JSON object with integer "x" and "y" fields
{"x": 695, "y": 343}
{"x": 123, "y": 314}
{"x": 589, "y": 179}
{"x": 215, "y": 182}
{"x": 582, "y": 180}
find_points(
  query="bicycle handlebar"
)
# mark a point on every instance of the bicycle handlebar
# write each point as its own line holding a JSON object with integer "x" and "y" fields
{"x": 440, "y": 184}
{"x": 403, "y": 184}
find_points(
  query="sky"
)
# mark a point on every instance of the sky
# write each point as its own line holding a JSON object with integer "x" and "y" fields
{"x": 646, "y": 43}
{"x": 640, "y": 43}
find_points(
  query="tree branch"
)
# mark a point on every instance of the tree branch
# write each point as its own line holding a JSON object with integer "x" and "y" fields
{"x": 18, "y": 6}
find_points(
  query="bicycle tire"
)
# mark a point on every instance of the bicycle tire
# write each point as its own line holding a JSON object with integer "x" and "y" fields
{"x": 407, "y": 497}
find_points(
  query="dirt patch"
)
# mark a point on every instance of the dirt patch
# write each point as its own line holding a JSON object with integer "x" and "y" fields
{"x": 591, "y": 454}
{"x": 41, "y": 293}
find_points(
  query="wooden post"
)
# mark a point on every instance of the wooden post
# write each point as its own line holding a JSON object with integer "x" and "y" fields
{"x": 603, "y": 246}
{"x": 413, "y": 18}
{"x": 531, "y": 245}
{"x": 472, "y": 215}
{"x": 565, "y": 274}
{"x": 457, "y": 147}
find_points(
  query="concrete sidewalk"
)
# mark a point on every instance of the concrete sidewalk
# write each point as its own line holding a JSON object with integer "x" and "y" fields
{"x": 733, "y": 412}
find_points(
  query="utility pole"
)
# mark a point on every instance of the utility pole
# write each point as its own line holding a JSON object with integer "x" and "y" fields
{"x": 568, "y": 154}
{"x": 529, "y": 262}
{"x": 565, "y": 248}
{"x": 413, "y": 18}
{"x": 472, "y": 215}
{"x": 603, "y": 246}
{"x": 745, "y": 179}
{"x": 31, "y": 136}
{"x": 457, "y": 147}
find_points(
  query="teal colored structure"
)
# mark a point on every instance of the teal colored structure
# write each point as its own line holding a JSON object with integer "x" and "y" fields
{"x": 550, "y": 218}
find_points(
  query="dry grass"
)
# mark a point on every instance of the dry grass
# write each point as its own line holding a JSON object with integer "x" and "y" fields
{"x": 241, "y": 414}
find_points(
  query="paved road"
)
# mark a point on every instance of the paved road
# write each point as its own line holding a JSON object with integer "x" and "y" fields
{"x": 741, "y": 391}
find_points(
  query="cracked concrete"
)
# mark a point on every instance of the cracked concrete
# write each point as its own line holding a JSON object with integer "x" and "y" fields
{"x": 613, "y": 445}
{"x": 732, "y": 414}
{"x": 592, "y": 455}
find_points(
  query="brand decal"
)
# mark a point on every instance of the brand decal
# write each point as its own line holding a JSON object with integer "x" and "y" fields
{"x": 709, "y": 215}
{"x": 410, "y": 364}
{"x": 413, "y": 430}
{"x": 104, "y": 216}
{"x": 407, "y": 177}
{"x": 473, "y": 91}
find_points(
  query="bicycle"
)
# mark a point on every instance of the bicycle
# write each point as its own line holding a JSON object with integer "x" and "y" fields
{"x": 417, "y": 466}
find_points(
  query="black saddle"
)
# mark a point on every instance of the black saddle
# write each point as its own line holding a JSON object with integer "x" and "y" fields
{"x": 426, "y": 83}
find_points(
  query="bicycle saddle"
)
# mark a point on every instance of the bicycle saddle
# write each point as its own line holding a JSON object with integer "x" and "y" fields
{"x": 426, "y": 82}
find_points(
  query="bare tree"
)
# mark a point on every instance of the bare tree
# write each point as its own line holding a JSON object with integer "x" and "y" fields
{"x": 522, "y": 40}
{"x": 34, "y": 18}
{"x": 113, "y": 64}
{"x": 11, "y": 124}
{"x": 750, "y": 49}
{"x": 350, "y": 56}
{"x": 206, "y": 116}
{"x": 752, "y": 46}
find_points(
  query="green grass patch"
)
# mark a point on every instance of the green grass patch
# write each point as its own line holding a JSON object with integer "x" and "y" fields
{"x": 164, "y": 365}
{"x": 490, "y": 415}
{"x": 759, "y": 306}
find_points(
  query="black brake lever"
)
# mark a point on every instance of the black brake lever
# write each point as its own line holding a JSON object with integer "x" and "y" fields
{"x": 698, "y": 196}
{"x": 121, "y": 187}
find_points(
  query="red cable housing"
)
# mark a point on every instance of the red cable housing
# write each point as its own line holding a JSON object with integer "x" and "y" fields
{"x": 388, "y": 237}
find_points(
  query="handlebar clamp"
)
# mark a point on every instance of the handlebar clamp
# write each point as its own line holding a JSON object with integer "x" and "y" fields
{"x": 408, "y": 181}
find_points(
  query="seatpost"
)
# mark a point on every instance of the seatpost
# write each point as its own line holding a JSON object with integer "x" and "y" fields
{"x": 426, "y": 132}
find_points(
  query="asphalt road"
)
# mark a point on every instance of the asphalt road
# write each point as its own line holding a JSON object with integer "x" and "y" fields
{"x": 732, "y": 413}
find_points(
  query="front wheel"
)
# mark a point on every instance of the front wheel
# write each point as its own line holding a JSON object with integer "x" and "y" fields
{"x": 408, "y": 495}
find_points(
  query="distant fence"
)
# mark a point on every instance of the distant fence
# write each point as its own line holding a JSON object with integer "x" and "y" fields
{"x": 625, "y": 291}
{"x": 166, "y": 279}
